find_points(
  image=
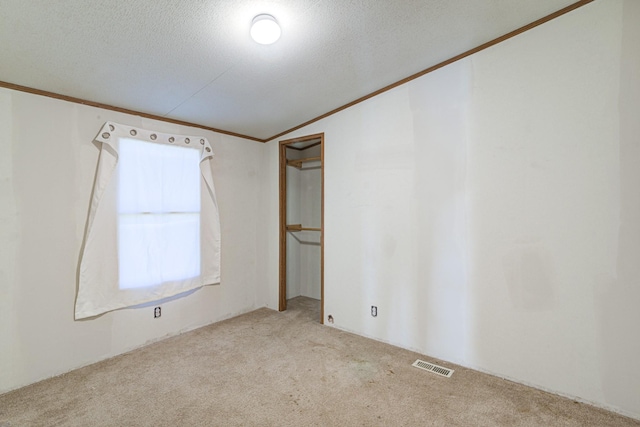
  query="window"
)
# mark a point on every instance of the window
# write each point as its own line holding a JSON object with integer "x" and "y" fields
{"x": 158, "y": 213}
{"x": 153, "y": 229}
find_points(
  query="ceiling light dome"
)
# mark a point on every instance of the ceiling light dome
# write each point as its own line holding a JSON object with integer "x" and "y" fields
{"x": 265, "y": 29}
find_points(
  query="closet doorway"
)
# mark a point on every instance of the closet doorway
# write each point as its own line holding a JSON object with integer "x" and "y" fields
{"x": 302, "y": 219}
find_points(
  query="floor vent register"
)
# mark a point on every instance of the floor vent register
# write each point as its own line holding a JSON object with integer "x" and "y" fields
{"x": 439, "y": 370}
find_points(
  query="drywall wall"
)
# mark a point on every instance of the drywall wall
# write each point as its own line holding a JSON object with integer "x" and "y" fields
{"x": 310, "y": 213}
{"x": 294, "y": 273}
{"x": 618, "y": 293}
{"x": 490, "y": 210}
{"x": 47, "y": 168}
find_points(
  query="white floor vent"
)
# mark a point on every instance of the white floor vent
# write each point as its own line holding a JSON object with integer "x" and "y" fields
{"x": 445, "y": 372}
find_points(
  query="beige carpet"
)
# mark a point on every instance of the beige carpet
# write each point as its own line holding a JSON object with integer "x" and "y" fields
{"x": 284, "y": 369}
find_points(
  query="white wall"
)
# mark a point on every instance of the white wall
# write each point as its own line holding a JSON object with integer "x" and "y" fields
{"x": 310, "y": 211}
{"x": 491, "y": 210}
{"x": 294, "y": 271}
{"x": 47, "y": 167}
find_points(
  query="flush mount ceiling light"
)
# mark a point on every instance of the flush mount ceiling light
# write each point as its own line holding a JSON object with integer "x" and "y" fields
{"x": 265, "y": 29}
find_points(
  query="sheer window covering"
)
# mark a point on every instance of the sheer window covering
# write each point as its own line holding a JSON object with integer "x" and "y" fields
{"x": 153, "y": 229}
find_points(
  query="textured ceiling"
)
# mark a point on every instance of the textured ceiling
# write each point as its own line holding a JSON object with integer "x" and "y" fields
{"x": 194, "y": 60}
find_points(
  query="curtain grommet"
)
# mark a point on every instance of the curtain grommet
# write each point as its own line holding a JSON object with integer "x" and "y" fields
{"x": 171, "y": 139}
{"x": 153, "y": 136}
{"x": 133, "y": 132}
{"x": 106, "y": 135}
{"x": 112, "y": 127}
{"x": 202, "y": 142}
{"x": 208, "y": 150}
{"x": 187, "y": 140}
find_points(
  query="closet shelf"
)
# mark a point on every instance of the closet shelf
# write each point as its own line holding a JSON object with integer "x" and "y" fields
{"x": 299, "y": 227}
{"x": 297, "y": 163}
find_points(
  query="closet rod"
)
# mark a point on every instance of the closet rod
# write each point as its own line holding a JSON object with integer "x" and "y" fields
{"x": 299, "y": 227}
{"x": 297, "y": 163}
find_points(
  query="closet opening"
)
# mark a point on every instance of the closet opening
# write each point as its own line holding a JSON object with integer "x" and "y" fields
{"x": 302, "y": 222}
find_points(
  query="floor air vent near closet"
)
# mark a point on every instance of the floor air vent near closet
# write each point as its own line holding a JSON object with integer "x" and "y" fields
{"x": 445, "y": 372}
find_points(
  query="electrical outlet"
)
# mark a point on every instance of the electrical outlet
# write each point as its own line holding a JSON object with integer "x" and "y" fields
{"x": 374, "y": 311}
{"x": 157, "y": 312}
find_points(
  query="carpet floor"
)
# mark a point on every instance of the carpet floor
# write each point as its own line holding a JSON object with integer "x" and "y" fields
{"x": 267, "y": 368}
